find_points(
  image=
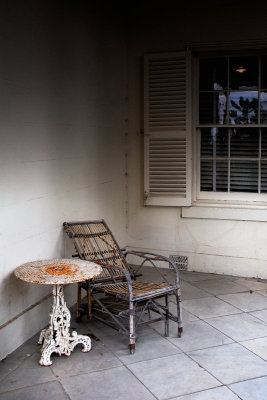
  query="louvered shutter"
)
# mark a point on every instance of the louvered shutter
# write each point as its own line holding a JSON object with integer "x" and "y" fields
{"x": 167, "y": 147}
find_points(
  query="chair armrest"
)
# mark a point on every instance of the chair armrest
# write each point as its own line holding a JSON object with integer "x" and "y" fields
{"x": 153, "y": 258}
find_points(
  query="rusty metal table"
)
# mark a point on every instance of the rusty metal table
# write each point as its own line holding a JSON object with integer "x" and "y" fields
{"x": 57, "y": 272}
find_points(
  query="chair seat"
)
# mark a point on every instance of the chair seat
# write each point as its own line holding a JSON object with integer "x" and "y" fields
{"x": 140, "y": 289}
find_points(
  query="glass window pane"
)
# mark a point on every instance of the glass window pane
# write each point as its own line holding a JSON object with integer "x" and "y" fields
{"x": 206, "y": 176}
{"x": 244, "y": 176}
{"x": 264, "y": 72}
{"x": 244, "y": 142}
{"x": 243, "y": 107}
{"x": 212, "y": 108}
{"x": 221, "y": 176}
{"x": 213, "y": 176}
{"x": 264, "y": 142}
{"x": 214, "y": 142}
{"x": 263, "y": 105}
{"x": 243, "y": 73}
{"x": 264, "y": 177}
{"x": 213, "y": 74}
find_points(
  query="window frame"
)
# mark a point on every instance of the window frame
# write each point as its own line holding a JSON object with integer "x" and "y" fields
{"x": 209, "y": 197}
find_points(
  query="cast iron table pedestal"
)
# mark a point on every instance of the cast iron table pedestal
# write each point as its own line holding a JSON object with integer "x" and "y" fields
{"x": 57, "y": 338}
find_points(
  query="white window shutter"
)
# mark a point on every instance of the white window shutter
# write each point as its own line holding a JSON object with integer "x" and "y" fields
{"x": 167, "y": 129}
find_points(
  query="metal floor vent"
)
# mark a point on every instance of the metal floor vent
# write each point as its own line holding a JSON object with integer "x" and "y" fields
{"x": 180, "y": 261}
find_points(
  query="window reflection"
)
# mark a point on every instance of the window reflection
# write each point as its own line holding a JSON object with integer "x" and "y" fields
{"x": 212, "y": 108}
{"x": 263, "y": 177}
{"x": 243, "y": 107}
{"x": 244, "y": 142}
{"x": 244, "y": 176}
{"x": 222, "y": 101}
{"x": 213, "y": 74}
{"x": 264, "y": 143}
{"x": 214, "y": 176}
{"x": 247, "y": 79}
{"x": 214, "y": 142}
{"x": 263, "y": 72}
{"x": 263, "y": 107}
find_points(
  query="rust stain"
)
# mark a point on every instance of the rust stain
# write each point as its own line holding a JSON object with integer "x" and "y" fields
{"x": 61, "y": 270}
{"x": 57, "y": 271}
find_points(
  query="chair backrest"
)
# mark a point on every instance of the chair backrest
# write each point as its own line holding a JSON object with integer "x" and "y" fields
{"x": 94, "y": 241}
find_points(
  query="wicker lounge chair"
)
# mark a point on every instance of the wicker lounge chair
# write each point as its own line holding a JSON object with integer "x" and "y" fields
{"x": 115, "y": 297}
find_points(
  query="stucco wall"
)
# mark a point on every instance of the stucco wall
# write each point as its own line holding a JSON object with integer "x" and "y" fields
{"x": 62, "y": 116}
{"x": 214, "y": 241}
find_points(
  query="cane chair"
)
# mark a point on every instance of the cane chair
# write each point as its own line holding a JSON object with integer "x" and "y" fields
{"x": 115, "y": 297}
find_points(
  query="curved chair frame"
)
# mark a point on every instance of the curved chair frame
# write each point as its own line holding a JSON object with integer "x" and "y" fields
{"x": 116, "y": 297}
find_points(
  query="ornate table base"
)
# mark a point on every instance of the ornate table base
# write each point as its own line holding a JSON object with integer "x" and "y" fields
{"x": 56, "y": 338}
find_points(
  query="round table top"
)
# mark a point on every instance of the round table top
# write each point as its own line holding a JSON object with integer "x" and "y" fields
{"x": 57, "y": 271}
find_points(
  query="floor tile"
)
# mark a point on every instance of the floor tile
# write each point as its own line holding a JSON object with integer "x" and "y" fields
{"x": 246, "y": 301}
{"x": 172, "y": 376}
{"x": 230, "y": 363}
{"x": 263, "y": 292}
{"x": 147, "y": 347}
{"x": 209, "y": 307}
{"x": 192, "y": 292}
{"x": 220, "y": 286}
{"x": 240, "y": 326}
{"x": 191, "y": 276}
{"x": 22, "y": 353}
{"x": 262, "y": 315}
{"x": 115, "y": 383}
{"x": 82, "y": 326}
{"x": 44, "y": 391}
{"x": 100, "y": 330}
{"x": 6, "y": 368}
{"x": 98, "y": 358}
{"x": 257, "y": 346}
{"x": 27, "y": 374}
{"x": 150, "y": 274}
{"x": 252, "y": 284}
{"x": 196, "y": 335}
{"x": 254, "y": 389}
{"x": 29, "y": 347}
{"x": 187, "y": 316}
{"x": 220, "y": 393}
{"x": 193, "y": 367}
{"x": 172, "y": 299}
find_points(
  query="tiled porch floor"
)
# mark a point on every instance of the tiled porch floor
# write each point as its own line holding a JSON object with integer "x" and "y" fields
{"x": 222, "y": 354}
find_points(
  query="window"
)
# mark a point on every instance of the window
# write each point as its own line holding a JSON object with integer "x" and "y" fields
{"x": 232, "y": 127}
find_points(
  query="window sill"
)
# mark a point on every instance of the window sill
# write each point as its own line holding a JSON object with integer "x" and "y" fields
{"x": 222, "y": 211}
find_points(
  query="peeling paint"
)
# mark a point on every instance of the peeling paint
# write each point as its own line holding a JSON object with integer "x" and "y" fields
{"x": 57, "y": 271}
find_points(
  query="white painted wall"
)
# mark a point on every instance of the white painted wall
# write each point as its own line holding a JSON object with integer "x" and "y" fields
{"x": 229, "y": 241}
{"x": 62, "y": 156}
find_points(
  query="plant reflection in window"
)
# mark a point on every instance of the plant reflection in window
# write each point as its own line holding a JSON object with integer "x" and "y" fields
{"x": 243, "y": 108}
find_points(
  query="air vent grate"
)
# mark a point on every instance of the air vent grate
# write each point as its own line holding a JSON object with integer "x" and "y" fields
{"x": 180, "y": 261}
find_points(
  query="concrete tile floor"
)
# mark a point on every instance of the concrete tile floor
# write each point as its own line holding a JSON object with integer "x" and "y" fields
{"x": 221, "y": 356}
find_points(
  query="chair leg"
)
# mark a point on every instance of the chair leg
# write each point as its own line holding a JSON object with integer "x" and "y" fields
{"x": 132, "y": 328}
{"x": 167, "y": 324}
{"x": 79, "y": 300}
{"x": 89, "y": 298}
{"x": 179, "y": 313}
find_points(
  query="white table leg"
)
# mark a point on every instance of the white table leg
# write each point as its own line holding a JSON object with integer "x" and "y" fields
{"x": 56, "y": 338}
